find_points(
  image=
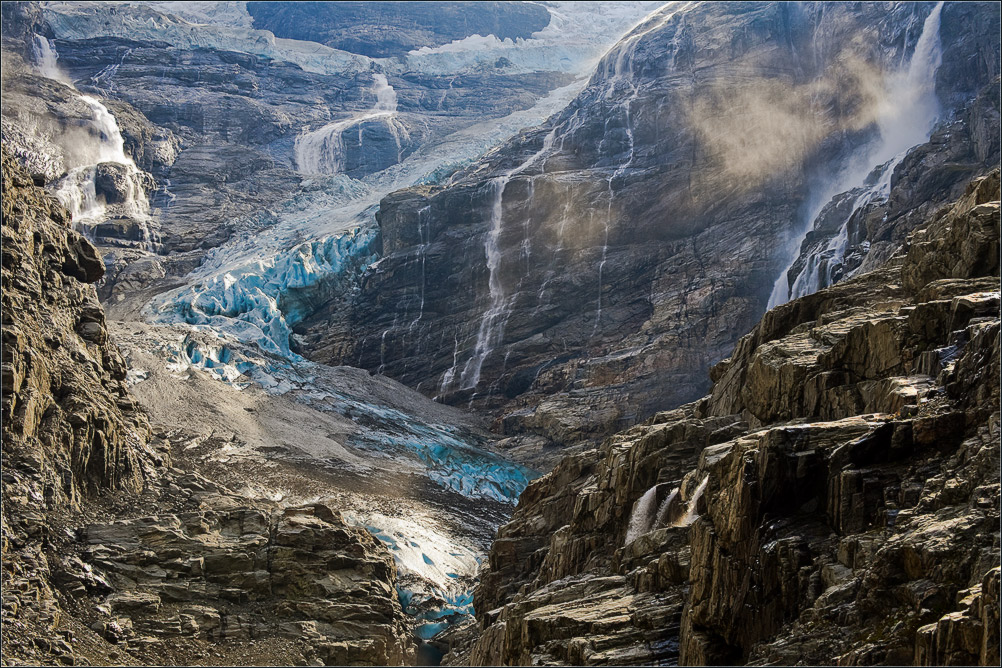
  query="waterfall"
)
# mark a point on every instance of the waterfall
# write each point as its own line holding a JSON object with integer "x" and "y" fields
{"x": 77, "y": 191}
{"x": 322, "y": 151}
{"x": 905, "y": 118}
{"x": 691, "y": 514}
{"x": 386, "y": 97}
{"x": 492, "y": 324}
{"x": 622, "y": 65}
{"x": 424, "y": 234}
{"x": 643, "y": 515}
{"x": 673, "y": 512}
{"x": 45, "y": 58}
{"x": 669, "y": 511}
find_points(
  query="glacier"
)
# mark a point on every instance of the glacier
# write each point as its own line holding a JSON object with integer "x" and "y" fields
{"x": 86, "y": 20}
{"x": 574, "y": 40}
{"x": 578, "y": 35}
{"x": 233, "y": 317}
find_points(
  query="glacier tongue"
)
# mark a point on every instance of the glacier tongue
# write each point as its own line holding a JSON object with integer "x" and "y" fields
{"x": 258, "y": 302}
{"x": 321, "y": 234}
{"x": 232, "y": 320}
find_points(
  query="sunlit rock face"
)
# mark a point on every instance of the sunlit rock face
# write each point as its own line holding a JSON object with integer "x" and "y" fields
{"x": 393, "y": 29}
{"x": 839, "y": 484}
{"x": 589, "y": 272}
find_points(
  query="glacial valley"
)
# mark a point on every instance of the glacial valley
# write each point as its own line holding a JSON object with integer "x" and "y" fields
{"x": 511, "y": 333}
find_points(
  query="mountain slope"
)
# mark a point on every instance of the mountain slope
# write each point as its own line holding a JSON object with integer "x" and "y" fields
{"x": 835, "y": 498}
{"x": 110, "y": 555}
{"x": 589, "y": 273}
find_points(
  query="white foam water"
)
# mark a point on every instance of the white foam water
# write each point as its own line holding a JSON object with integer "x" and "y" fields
{"x": 906, "y": 117}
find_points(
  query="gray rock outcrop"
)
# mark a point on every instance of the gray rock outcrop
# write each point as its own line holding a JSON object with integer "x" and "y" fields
{"x": 110, "y": 555}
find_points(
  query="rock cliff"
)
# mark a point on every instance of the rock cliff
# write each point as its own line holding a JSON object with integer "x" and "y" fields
{"x": 834, "y": 499}
{"x": 589, "y": 273}
{"x": 110, "y": 555}
{"x": 393, "y": 29}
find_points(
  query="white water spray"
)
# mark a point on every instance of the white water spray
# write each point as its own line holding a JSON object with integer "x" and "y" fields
{"x": 45, "y": 58}
{"x": 906, "y": 116}
{"x": 77, "y": 190}
{"x": 643, "y": 514}
{"x": 322, "y": 151}
{"x": 691, "y": 514}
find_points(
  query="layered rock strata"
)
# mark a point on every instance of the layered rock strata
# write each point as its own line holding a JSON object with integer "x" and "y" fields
{"x": 834, "y": 499}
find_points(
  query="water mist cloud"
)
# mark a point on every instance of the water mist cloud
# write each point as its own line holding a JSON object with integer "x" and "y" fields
{"x": 753, "y": 128}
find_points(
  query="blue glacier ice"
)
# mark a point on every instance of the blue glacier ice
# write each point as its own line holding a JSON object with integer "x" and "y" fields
{"x": 261, "y": 302}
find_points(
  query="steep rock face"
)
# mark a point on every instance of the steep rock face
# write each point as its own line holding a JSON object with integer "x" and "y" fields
{"x": 393, "y": 29}
{"x": 109, "y": 554}
{"x": 635, "y": 235}
{"x": 854, "y": 233}
{"x": 226, "y": 572}
{"x": 834, "y": 499}
{"x": 66, "y": 409}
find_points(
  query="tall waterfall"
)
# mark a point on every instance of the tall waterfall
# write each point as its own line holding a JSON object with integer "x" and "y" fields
{"x": 77, "y": 191}
{"x": 492, "y": 324}
{"x": 322, "y": 151}
{"x": 45, "y": 58}
{"x": 906, "y": 116}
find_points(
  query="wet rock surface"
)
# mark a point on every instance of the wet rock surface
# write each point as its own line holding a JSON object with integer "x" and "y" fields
{"x": 841, "y": 482}
{"x": 591, "y": 271}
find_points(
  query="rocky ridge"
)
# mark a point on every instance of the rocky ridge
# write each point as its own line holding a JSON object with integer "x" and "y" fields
{"x": 89, "y": 573}
{"x": 834, "y": 499}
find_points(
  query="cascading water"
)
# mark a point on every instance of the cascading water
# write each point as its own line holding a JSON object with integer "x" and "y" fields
{"x": 322, "y": 151}
{"x": 77, "y": 190}
{"x": 673, "y": 512}
{"x": 45, "y": 58}
{"x": 492, "y": 324}
{"x": 424, "y": 234}
{"x": 623, "y": 65}
{"x": 905, "y": 118}
{"x": 643, "y": 515}
{"x": 617, "y": 70}
{"x": 668, "y": 511}
{"x": 691, "y": 514}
